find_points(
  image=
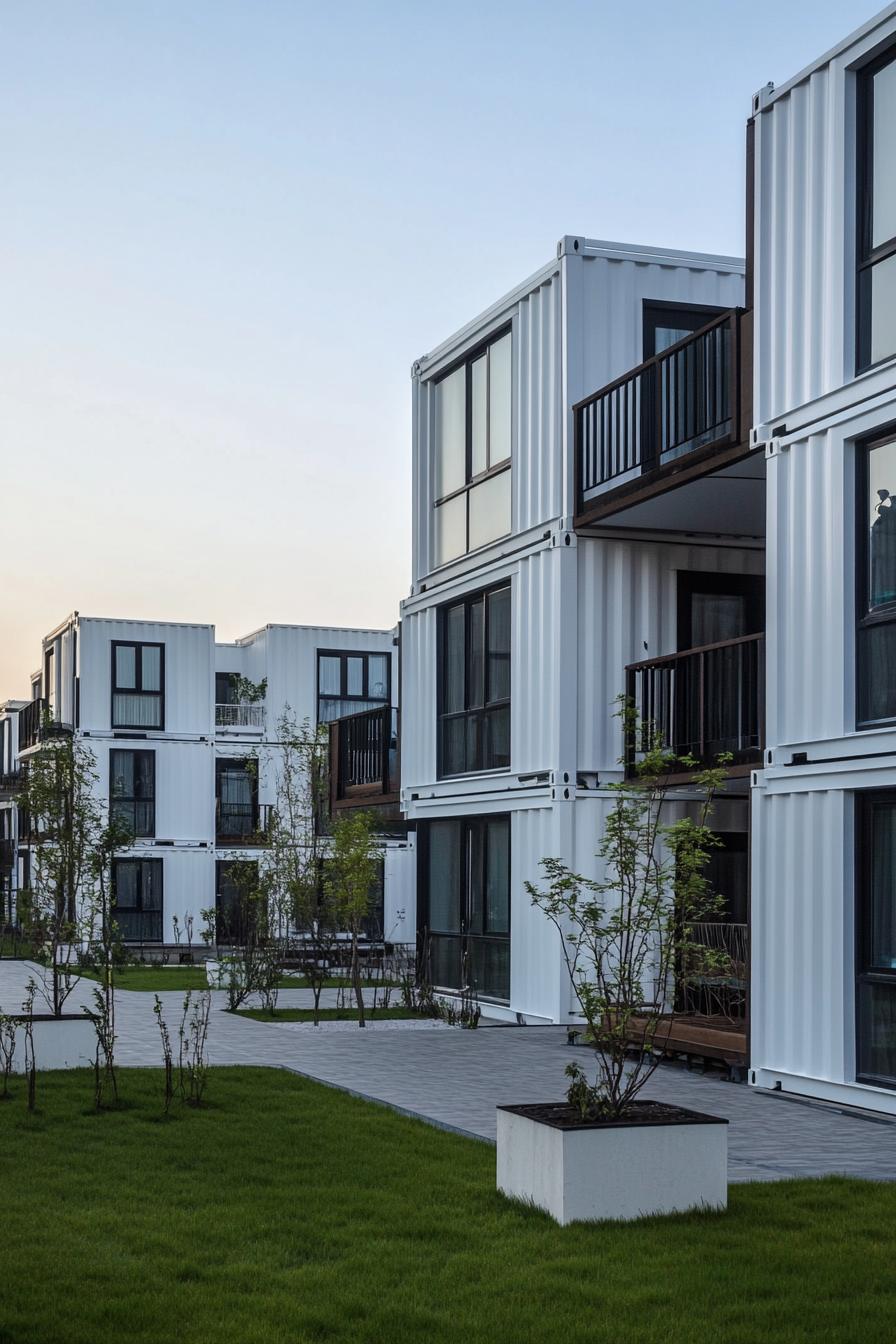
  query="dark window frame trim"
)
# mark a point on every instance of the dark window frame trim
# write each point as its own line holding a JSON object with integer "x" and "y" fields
{"x": 137, "y": 689}
{"x": 864, "y": 804}
{"x": 866, "y": 619}
{"x": 866, "y": 256}
{"x": 343, "y": 677}
{"x": 658, "y": 306}
{"x": 442, "y": 716}
{"x": 466, "y": 822}
{"x": 466, "y": 362}
{"x": 113, "y": 799}
{"x": 140, "y": 861}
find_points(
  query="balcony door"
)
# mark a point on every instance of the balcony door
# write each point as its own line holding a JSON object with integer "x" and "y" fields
{"x": 717, "y": 692}
{"x": 465, "y": 907}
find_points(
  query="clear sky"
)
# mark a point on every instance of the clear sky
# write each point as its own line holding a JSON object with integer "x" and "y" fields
{"x": 228, "y": 227}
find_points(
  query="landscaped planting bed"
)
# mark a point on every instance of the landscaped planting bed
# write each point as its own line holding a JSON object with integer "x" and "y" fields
{"x": 285, "y": 1211}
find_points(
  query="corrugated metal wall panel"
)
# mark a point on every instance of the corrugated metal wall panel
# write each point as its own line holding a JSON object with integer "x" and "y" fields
{"x": 805, "y": 234}
{"x": 418, "y": 697}
{"x": 189, "y": 671}
{"x": 400, "y": 892}
{"x": 291, "y": 664}
{"x": 801, "y": 938}
{"x": 627, "y": 612}
{"x": 810, "y": 584}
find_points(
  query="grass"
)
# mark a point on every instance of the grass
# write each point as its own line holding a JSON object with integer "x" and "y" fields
{"x": 286, "y": 1212}
{"x": 153, "y": 978}
{"x": 326, "y": 1014}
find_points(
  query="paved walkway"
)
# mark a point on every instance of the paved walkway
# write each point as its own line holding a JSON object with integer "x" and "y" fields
{"x": 456, "y": 1078}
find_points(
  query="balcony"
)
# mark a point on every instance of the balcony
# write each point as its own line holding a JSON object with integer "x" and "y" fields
{"x": 7, "y": 855}
{"x": 246, "y": 718}
{"x": 242, "y": 825}
{"x": 364, "y": 769}
{"x": 680, "y": 416}
{"x": 704, "y": 702}
{"x": 10, "y": 785}
{"x": 36, "y": 726}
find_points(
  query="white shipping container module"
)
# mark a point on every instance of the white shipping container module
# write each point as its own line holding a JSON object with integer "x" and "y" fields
{"x": 582, "y": 607}
{"x": 817, "y": 404}
{"x": 151, "y": 688}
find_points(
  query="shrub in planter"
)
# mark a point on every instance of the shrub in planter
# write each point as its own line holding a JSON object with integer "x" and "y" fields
{"x": 625, "y": 937}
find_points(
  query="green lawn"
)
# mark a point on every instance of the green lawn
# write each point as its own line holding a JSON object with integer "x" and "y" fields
{"x": 326, "y": 1014}
{"x": 286, "y": 1212}
{"x": 154, "y": 978}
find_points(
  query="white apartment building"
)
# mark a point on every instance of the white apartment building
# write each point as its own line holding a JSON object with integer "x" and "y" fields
{"x": 189, "y": 766}
{"x": 548, "y": 558}
{"x": 824, "y": 804}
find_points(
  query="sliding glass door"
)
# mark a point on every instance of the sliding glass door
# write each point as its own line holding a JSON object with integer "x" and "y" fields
{"x": 876, "y": 938}
{"x": 465, "y": 905}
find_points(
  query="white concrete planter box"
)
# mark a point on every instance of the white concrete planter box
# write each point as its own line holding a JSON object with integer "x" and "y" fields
{"x": 613, "y": 1169}
{"x": 67, "y": 1042}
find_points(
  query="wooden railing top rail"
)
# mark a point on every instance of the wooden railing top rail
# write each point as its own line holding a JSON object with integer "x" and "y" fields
{"x": 663, "y": 356}
{"x": 701, "y": 648}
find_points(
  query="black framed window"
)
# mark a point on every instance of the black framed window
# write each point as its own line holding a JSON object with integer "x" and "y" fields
{"x": 137, "y": 899}
{"x": 132, "y": 790}
{"x": 474, "y": 427}
{"x": 350, "y": 682}
{"x": 876, "y": 938}
{"x": 232, "y": 910}
{"x": 138, "y": 685}
{"x": 876, "y": 581}
{"x": 474, "y": 683}
{"x": 666, "y": 324}
{"x": 876, "y": 212}
{"x": 465, "y": 903}
{"x": 237, "y": 813}
{"x": 225, "y": 693}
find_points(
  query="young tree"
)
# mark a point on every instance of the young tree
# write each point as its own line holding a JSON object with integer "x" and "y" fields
{"x": 350, "y": 872}
{"x": 104, "y": 950}
{"x": 628, "y": 936}
{"x": 67, "y": 819}
{"x": 297, "y": 832}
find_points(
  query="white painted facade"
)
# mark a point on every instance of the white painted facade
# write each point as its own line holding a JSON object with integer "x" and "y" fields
{"x": 582, "y": 606}
{"x": 77, "y": 679}
{"x": 814, "y": 413}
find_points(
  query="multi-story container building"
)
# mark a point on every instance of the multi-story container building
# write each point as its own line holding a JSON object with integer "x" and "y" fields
{"x": 184, "y": 733}
{"x": 588, "y": 518}
{"x": 824, "y": 804}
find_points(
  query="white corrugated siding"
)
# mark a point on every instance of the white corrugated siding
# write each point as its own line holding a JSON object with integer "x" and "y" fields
{"x": 291, "y": 664}
{"x": 626, "y": 613}
{"x": 418, "y": 697}
{"x": 810, "y": 650}
{"x": 801, "y": 939}
{"x": 400, "y": 891}
{"x": 189, "y": 671}
{"x": 805, "y": 235}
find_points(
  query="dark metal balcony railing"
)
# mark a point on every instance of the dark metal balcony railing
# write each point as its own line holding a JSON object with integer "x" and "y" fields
{"x": 703, "y": 702}
{"x": 242, "y": 823}
{"x": 683, "y": 399}
{"x": 364, "y": 756}
{"x": 10, "y": 784}
{"x": 34, "y": 726}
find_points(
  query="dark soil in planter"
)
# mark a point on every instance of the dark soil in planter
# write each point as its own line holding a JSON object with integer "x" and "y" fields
{"x": 560, "y": 1115}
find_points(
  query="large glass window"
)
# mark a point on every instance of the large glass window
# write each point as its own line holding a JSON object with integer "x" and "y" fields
{"x": 137, "y": 896}
{"x": 236, "y": 800}
{"x": 138, "y": 690}
{"x": 132, "y": 788}
{"x": 474, "y": 684}
{"x": 465, "y": 903}
{"x": 876, "y": 634}
{"x": 876, "y": 937}
{"x": 473, "y": 446}
{"x": 349, "y": 683}
{"x": 876, "y": 218}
